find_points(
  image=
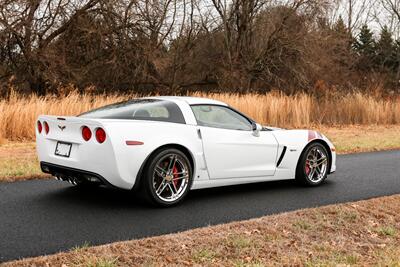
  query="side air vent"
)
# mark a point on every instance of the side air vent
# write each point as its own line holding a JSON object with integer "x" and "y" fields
{"x": 281, "y": 156}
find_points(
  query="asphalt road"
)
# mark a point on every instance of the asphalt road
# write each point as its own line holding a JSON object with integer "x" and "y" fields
{"x": 47, "y": 216}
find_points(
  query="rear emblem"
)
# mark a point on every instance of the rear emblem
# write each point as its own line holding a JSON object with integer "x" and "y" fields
{"x": 62, "y": 127}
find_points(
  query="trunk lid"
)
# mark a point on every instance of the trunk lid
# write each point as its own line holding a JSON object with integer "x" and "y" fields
{"x": 68, "y": 129}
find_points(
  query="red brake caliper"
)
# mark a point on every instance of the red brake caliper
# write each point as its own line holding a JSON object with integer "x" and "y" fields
{"x": 307, "y": 167}
{"x": 175, "y": 173}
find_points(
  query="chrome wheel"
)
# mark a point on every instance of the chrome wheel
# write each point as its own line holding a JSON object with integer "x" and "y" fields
{"x": 170, "y": 177}
{"x": 316, "y": 164}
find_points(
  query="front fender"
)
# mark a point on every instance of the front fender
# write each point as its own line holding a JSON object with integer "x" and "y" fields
{"x": 295, "y": 142}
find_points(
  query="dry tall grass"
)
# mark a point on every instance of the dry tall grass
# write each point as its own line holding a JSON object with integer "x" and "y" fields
{"x": 18, "y": 113}
{"x": 304, "y": 110}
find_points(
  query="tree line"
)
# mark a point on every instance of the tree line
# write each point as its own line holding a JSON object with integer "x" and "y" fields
{"x": 174, "y": 46}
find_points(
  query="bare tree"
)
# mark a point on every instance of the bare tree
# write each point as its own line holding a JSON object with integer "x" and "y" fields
{"x": 354, "y": 12}
{"x": 237, "y": 18}
{"x": 177, "y": 45}
{"x": 255, "y": 52}
{"x": 34, "y": 25}
{"x": 392, "y": 16}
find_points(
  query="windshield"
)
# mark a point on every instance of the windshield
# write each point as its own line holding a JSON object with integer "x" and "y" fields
{"x": 139, "y": 109}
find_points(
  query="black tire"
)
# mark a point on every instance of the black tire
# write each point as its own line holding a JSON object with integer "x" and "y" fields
{"x": 148, "y": 184}
{"x": 304, "y": 169}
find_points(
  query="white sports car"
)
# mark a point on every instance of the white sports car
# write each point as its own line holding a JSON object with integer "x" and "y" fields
{"x": 165, "y": 146}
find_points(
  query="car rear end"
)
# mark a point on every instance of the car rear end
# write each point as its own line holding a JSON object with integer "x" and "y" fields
{"x": 77, "y": 150}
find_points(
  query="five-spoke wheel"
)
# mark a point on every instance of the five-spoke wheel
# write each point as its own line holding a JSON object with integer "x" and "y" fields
{"x": 313, "y": 165}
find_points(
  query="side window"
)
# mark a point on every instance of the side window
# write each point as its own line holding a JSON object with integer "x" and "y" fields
{"x": 220, "y": 117}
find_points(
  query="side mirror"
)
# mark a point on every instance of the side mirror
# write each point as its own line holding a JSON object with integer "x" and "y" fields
{"x": 256, "y": 128}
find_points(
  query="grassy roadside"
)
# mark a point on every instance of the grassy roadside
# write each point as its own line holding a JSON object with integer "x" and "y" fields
{"x": 18, "y": 161}
{"x": 365, "y": 138}
{"x": 363, "y": 233}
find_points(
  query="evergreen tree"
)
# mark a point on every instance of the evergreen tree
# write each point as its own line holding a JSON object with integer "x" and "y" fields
{"x": 340, "y": 43}
{"x": 340, "y": 28}
{"x": 385, "y": 49}
{"x": 365, "y": 43}
{"x": 365, "y": 48}
{"x": 397, "y": 59}
{"x": 397, "y": 47}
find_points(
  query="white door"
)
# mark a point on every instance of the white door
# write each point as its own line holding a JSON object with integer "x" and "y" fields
{"x": 230, "y": 148}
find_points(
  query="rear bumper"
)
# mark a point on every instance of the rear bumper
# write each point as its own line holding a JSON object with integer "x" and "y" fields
{"x": 89, "y": 158}
{"x": 73, "y": 175}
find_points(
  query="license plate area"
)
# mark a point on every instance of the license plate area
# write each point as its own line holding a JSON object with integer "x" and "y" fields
{"x": 63, "y": 149}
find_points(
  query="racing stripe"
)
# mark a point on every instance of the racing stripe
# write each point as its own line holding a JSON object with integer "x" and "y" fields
{"x": 311, "y": 135}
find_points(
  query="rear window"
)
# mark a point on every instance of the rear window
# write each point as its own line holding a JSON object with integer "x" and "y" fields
{"x": 139, "y": 109}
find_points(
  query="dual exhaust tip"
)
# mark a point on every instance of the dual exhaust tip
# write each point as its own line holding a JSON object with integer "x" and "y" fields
{"x": 75, "y": 181}
{"x": 70, "y": 180}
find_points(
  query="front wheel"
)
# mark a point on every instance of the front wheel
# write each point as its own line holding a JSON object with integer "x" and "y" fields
{"x": 313, "y": 165}
{"x": 167, "y": 178}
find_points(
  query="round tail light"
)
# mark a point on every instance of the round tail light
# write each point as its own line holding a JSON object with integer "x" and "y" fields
{"x": 46, "y": 127}
{"x": 39, "y": 127}
{"x": 100, "y": 135}
{"x": 86, "y": 133}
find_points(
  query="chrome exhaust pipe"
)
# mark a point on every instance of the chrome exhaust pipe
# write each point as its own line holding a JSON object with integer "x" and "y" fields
{"x": 72, "y": 180}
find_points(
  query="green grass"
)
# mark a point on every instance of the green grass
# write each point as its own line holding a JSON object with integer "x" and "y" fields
{"x": 387, "y": 231}
{"x": 203, "y": 255}
{"x": 79, "y": 248}
{"x": 241, "y": 263}
{"x": 102, "y": 263}
{"x": 20, "y": 167}
{"x": 239, "y": 242}
{"x": 367, "y": 143}
{"x": 301, "y": 224}
{"x": 363, "y": 138}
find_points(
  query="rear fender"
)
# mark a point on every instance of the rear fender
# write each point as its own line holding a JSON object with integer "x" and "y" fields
{"x": 131, "y": 159}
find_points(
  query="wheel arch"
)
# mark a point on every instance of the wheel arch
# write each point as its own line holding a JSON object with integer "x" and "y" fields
{"x": 326, "y": 146}
{"x": 179, "y": 147}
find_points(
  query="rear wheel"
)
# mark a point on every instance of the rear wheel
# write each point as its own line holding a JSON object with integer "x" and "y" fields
{"x": 167, "y": 177}
{"x": 312, "y": 168}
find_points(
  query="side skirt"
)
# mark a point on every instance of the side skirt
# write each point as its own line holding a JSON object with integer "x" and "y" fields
{"x": 235, "y": 181}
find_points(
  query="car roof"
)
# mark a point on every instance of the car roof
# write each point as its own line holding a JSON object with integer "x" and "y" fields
{"x": 191, "y": 100}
